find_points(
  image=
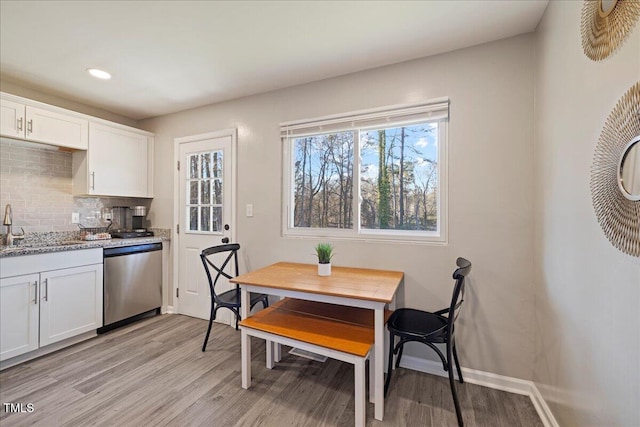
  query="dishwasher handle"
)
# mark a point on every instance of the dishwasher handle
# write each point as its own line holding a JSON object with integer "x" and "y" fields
{"x": 134, "y": 249}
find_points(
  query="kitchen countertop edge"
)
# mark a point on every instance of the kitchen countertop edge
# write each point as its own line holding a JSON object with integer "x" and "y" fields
{"x": 6, "y": 252}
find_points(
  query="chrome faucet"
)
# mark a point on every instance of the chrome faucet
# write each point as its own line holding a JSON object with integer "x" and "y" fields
{"x": 8, "y": 221}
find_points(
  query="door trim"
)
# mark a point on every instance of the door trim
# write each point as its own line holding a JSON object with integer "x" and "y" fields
{"x": 176, "y": 197}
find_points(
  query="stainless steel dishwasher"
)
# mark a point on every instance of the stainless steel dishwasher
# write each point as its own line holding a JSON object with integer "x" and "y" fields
{"x": 132, "y": 283}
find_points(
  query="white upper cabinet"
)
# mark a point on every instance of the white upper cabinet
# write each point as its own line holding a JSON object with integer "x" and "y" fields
{"x": 12, "y": 116}
{"x": 50, "y": 127}
{"x": 117, "y": 163}
{"x": 43, "y": 123}
{"x": 109, "y": 159}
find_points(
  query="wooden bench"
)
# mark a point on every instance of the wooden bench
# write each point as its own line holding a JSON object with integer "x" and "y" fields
{"x": 336, "y": 331}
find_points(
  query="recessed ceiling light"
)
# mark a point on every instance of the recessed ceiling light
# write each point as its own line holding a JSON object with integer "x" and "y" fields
{"x": 99, "y": 73}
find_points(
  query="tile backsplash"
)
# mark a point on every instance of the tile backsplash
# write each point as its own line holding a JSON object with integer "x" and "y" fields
{"x": 37, "y": 182}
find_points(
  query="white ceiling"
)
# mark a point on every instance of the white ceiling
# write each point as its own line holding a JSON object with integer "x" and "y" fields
{"x": 168, "y": 56}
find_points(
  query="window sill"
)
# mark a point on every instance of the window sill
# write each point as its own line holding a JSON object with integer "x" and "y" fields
{"x": 367, "y": 237}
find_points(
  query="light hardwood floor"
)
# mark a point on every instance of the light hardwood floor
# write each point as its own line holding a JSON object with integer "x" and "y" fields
{"x": 152, "y": 373}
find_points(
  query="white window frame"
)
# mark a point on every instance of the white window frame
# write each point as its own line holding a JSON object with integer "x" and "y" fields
{"x": 396, "y": 115}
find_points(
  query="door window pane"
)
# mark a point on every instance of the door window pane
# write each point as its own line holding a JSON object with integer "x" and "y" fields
{"x": 217, "y": 219}
{"x": 217, "y": 191}
{"x": 193, "y": 219}
{"x": 205, "y": 218}
{"x": 193, "y": 192}
{"x": 205, "y": 192}
{"x": 204, "y": 205}
{"x": 193, "y": 166}
{"x": 206, "y": 165}
{"x": 217, "y": 164}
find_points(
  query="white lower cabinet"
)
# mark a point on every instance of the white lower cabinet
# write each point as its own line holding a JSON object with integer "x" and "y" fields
{"x": 42, "y": 308}
{"x": 71, "y": 302}
{"x": 18, "y": 315}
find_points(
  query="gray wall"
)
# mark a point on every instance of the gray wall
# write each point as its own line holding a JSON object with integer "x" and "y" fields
{"x": 490, "y": 182}
{"x": 587, "y": 347}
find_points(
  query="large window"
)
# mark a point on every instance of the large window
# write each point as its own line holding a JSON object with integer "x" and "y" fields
{"x": 378, "y": 174}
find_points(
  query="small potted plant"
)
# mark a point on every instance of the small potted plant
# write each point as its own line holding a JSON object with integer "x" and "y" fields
{"x": 324, "y": 251}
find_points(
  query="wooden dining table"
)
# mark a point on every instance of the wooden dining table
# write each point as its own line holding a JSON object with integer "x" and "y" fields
{"x": 354, "y": 287}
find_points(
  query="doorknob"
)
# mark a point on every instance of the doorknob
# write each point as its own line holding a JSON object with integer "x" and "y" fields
{"x": 225, "y": 240}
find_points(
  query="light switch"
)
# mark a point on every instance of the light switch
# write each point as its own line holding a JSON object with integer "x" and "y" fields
{"x": 249, "y": 210}
{"x": 75, "y": 218}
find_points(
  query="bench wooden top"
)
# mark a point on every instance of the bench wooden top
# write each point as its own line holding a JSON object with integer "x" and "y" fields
{"x": 358, "y": 283}
{"x": 346, "y": 329}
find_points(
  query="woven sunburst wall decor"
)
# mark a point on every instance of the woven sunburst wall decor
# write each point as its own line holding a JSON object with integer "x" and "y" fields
{"x": 618, "y": 215}
{"x": 606, "y": 24}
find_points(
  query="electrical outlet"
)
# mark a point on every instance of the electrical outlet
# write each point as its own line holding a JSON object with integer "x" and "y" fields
{"x": 249, "y": 210}
{"x": 107, "y": 216}
{"x": 75, "y": 218}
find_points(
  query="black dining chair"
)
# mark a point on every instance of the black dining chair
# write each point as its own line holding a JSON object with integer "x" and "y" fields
{"x": 229, "y": 299}
{"x": 431, "y": 328}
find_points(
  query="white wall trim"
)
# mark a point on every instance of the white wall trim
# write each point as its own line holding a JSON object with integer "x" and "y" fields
{"x": 542, "y": 408}
{"x": 488, "y": 379}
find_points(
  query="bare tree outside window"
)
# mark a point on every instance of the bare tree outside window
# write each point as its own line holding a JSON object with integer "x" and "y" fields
{"x": 399, "y": 178}
{"x": 323, "y": 174}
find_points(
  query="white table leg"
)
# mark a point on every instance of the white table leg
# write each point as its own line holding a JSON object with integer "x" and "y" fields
{"x": 277, "y": 352}
{"x": 372, "y": 378}
{"x": 359, "y": 395}
{"x": 245, "y": 340}
{"x": 378, "y": 361}
{"x": 270, "y": 345}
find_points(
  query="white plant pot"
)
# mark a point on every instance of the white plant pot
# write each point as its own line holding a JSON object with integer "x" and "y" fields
{"x": 324, "y": 269}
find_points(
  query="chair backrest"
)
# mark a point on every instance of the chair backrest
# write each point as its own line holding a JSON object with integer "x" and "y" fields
{"x": 231, "y": 251}
{"x": 464, "y": 267}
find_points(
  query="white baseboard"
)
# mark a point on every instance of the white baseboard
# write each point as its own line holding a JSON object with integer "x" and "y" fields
{"x": 488, "y": 379}
{"x": 542, "y": 408}
{"x": 171, "y": 310}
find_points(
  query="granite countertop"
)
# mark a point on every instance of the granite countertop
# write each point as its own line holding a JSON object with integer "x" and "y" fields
{"x": 74, "y": 245}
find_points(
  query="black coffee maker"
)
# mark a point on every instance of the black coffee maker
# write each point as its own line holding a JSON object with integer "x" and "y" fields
{"x": 138, "y": 214}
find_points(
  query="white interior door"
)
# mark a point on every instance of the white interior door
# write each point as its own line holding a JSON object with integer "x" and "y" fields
{"x": 206, "y": 215}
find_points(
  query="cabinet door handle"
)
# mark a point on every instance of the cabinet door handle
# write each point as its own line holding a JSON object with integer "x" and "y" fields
{"x": 46, "y": 289}
{"x": 30, "y": 126}
{"x": 19, "y": 124}
{"x": 93, "y": 180}
{"x": 35, "y": 287}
